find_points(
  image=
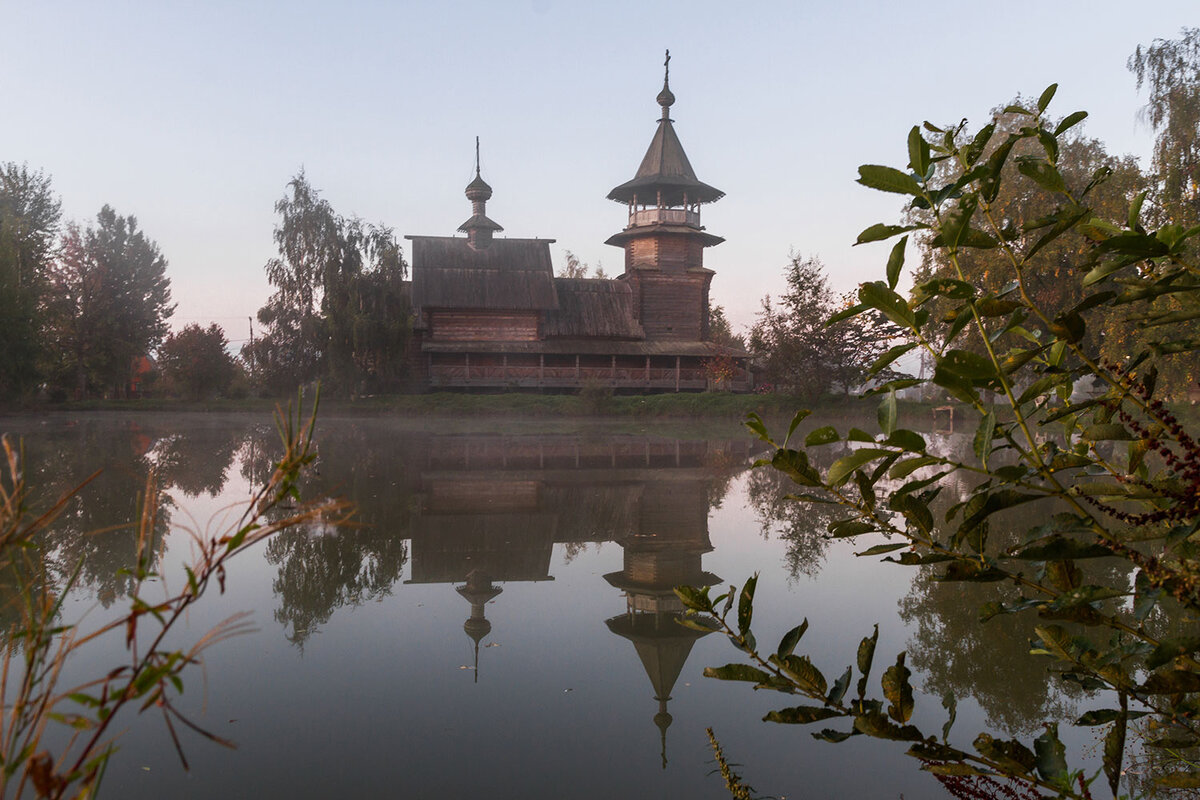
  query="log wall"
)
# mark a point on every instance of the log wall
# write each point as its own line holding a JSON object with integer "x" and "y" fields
{"x": 666, "y": 252}
{"x": 476, "y": 326}
{"x": 673, "y": 306}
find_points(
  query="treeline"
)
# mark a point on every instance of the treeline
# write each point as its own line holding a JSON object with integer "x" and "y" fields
{"x": 78, "y": 304}
{"x": 796, "y": 349}
{"x": 84, "y": 308}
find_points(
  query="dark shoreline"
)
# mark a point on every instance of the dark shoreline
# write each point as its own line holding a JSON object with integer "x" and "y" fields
{"x": 681, "y": 406}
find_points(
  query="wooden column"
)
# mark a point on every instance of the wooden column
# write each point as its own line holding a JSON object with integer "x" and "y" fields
{"x": 612, "y": 370}
{"x": 677, "y": 373}
{"x": 541, "y": 367}
{"x": 647, "y": 372}
{"x": 504, "y": 367}
{"x": 468, "y": 357}
{"x": 576, "y": 366}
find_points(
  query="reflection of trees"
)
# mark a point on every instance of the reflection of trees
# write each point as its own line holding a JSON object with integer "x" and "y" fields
{"x": 989, "y": 662}
{"x": 321, "y": 569}
{"x": 803, "y": 525}
{"x": 97, "y": 529}
{"x": 196, "y": 459}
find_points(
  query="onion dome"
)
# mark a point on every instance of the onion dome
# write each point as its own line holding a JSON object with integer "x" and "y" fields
{"x": 479, "y": 228}
{"x": 478, "y": 189}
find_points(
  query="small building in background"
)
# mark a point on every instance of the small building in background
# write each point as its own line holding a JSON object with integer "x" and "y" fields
{"x": 490, "y": 313}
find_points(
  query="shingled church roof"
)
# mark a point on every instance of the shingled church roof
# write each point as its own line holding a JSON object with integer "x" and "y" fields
{"x": 509, "y": 274}
{"x": 593, "y": 307}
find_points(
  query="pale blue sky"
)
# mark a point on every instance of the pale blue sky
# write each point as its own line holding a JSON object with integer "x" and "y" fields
{"x": 193, "y": 116}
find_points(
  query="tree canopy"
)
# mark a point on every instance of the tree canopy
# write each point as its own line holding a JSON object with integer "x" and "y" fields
{"x": 107, "y": 302}
{"x": 29, "y": 217}
{"x": 1170, "y": 70}
{"x": 340, "y": 312}
{"x": 195, "y": 361}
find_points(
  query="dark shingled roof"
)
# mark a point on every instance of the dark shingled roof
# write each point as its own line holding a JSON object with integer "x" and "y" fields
{"x": 592, "y": 307}
{"x": 508, "y": 274}
{"x": 665, "y": 168}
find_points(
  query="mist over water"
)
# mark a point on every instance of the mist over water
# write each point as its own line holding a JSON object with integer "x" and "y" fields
{"x": 499, "y": 620}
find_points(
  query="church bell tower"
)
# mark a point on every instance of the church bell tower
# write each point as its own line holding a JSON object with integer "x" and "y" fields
{"x": 664, "y": 241}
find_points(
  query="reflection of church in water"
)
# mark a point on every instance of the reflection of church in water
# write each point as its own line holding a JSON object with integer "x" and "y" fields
{"x": 493, "y": 508}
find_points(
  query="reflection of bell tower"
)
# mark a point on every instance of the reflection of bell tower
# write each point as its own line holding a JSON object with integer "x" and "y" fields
{"x": 664, "y": 241}
{"x": 478, "y": 591}
{"x": 671, "y": 538}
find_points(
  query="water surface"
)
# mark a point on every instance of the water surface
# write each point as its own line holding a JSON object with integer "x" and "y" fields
{"x": 499, "y": 622}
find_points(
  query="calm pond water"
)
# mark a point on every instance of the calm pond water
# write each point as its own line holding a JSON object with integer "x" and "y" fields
{"x": 500, "y": 623}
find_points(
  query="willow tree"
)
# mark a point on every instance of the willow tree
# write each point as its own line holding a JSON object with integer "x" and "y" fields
{"x": 339, "y": 312}
{"x": 1170, "y": 70}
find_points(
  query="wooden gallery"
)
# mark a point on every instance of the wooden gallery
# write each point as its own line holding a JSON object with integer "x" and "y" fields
{"x": 490, "y": 314}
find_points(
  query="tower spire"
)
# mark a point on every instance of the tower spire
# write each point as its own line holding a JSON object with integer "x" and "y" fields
{"x": 479, "y": 228}
{"x": 665, "y": 98}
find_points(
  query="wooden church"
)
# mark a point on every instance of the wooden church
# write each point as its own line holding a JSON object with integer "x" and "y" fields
{"x": 490, "y": 313}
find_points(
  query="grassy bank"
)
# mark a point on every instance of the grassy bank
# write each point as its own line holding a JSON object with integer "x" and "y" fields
{"x": 716, "y": 405}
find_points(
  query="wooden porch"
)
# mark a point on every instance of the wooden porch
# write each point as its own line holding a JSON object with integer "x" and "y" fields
{"x": 554, "y": 371}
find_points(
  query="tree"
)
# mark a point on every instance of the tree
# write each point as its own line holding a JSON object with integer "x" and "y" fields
{"x": 339, "y": 312}
{"x": 195, "y": 361}
{"x": 1106, "y": 491}
{"x": 107, "y": 303}
{"x": 29, "y": 216}
{"x": 573, "y": 268}
{"x": 797, "y": 350}
{"x": 1170, "y": 70}
{"x": 1082, "y": 162}
{"x": 721, "y": 332}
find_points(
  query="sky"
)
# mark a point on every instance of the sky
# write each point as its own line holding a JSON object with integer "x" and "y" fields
{"x": 193, "y": 116}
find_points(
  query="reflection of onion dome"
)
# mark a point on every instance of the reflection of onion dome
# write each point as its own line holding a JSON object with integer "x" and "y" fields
{"x": 662, "y": 645}
{"x": 477, "y": 628}
{"x": 478, "y": 591}
{"x": 663, "y": 721}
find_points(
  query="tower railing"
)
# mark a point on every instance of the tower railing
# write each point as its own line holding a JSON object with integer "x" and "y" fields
{"x": 675, "y": 216}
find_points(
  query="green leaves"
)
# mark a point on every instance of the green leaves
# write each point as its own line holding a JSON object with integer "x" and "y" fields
{"x": 746, "y": 605}
{"x": 984, "y": 434}
{"x": 888, "y": 179}
{"x": 888, "y": 414}
{"x": 895, "y": 262}
{"x": 790, "y": 639}
{"x": 880, "y": 297}
{"x": 737, "y": 672}
{"x": 1046, "y": 96}
{"x": 801, "y": 715}
{"x": 898, "y": 691}
{"x": 1051, "y": 754}
{"x": 918, "y": 152}
{"x": 844, "y": 467}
